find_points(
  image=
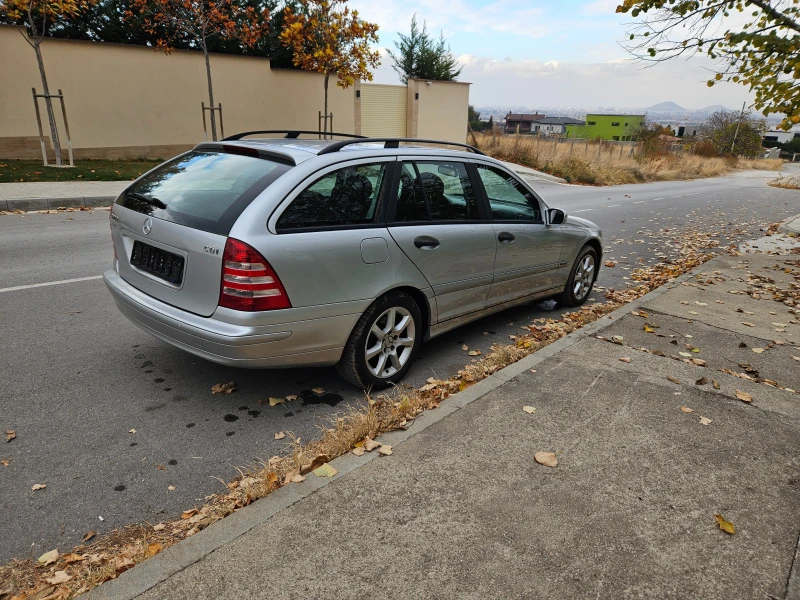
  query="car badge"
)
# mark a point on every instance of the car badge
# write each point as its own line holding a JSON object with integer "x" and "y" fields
{"x": 148, "y": 226}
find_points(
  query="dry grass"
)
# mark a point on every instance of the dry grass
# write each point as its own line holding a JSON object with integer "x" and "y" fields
{"x": 788, "y": 183}
{"x": 90, "y": 565}
{"x": 609, "y": 163}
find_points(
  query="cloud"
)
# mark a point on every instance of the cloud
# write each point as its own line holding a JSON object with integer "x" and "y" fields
{"x": 601, "y": 7}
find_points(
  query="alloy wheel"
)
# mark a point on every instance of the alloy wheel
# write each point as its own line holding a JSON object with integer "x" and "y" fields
{"x": 390, "y": 342}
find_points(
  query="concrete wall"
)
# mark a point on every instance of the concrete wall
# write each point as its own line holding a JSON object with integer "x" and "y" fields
{"x": 440, "y": 112}
{"x": 133, "y": 101}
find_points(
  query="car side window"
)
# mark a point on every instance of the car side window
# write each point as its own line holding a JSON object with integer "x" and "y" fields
{"x": 435, "y": 191}
{"x": 508, "y": 198}
{"x": 348, "y": 196}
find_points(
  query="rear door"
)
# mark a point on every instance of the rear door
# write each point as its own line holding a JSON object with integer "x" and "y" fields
{"x": 438, "y": 223}
{"x": 170, "y": 227}
{"x": 528, "y": 251}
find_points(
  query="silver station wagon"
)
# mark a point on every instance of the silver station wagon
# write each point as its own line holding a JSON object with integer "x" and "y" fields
{"x": 285, "y": 252}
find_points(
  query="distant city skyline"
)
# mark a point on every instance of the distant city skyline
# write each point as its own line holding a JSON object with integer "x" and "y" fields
{"x": 536, "y": 52}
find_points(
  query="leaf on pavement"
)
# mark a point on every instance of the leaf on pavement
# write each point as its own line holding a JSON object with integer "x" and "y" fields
{"x": 705, "y": 421}
{"x": 318, "y": 461}
{"x": 48, "y": 558}
{"x": 224, "y": 388}
{"x": 529, "y": 409}
{"x": 625, "y": 359}
{"x": 610, "y": 264}
{"x": 318, "y": 390}
{"x": 757, "y": 350}
{"x": 699, "y": 362}
{"x": 38, "y": 486}
{"x": 465, "y": 347}
{"x": 385, "y": 450}
{"x": 691, "y": 312}
{"x": 276, "y": 401}
{"x": 685, "y": 354}
{"x": 358, "y": 451}
{"x": 724, "y": 524}
{"x": 673, "y": 379}
{"x": 58, "y": 578}
{"x": 474, "y": 352}
{"x": 701, "y": 303}
{"x": 370, "y": 444}
{"x": 10, "y": 435}
{"x": 686, "y": 409}
{"x": 159, "y": 527}
{"x": 131, "y": 431}
{"x": 795, "y": 357}
{"x": 748, "y": 324}
{"x": 89, "y": 535}
{"x": 297, "y": 478}
{"x": 153, "y": 549}
{"x": 548, "y": 459}
{"x": 715, "y": 384}
{"x": 280, "y": 435}
{"x": 648, "y": 329}
{"x": 6, "y": 461}
{"x": 743, "y": 396}
{"x": 701, "y": 381}
{"x": 71, "y": 557}
{"x": 325, "y": 470}
{"x": 188, "y": 514}
{"x": 292, "y": 397}
{"x": 780, "y": 324}
{"x": 695, "y": 350}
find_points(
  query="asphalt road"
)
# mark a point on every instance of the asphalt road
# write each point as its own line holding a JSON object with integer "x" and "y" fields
{"x": 76, "y": 377}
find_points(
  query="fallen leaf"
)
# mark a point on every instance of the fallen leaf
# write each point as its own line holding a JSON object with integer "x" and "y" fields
{"x": 548, "y": 459}
{"x": 686, "y": 409}
{"x": 610, "y": 264}
{"x": 318, "y": 461}
{"x": 48, "y": 558}
{"x": 673, "y": 379}
{"x": 685, "y": 354}
{"x": 780, "y": 325}
{"x": 224, "y": 388}
{"x": 757, "y": 350}
{"x": 5, "y": 462}
{"x": 73, "y": 558}
{"x": 370, "y": 445}
{"x": 358, "y": 451}
{"x": 10, "y": 435}
{"x": 795, "y": 357}
{"x": 159, "y": 527}
{"x": 474, "y": 352}
{"x": 276, "y": 401}
{"x": 529, "y": 409}
{"x": 280, "y": 435}
{"x": 695, "y": 350}
{"x": 705, "y": 421}
{"x": 161, "y": 467}
{"x": 325, "y": 470}
{"x": 188, "y": 514}
{"x": 715, "y": 384}
{"x": 171, "y": 488}
{"x": 684, "y": 302}
{"x": 89, "y": 535}
{"x": 625, "y": 359}
{"x": 318, "y": 390}
{"x": 385, "y": 450}
{"x": 465, "y": 347}
{"x": 38, "y": 486}
{"x": 58, "y": 578}
{"x": 699, "y": 362}
{"x": 297, "y": 478}
{"x": 701, "y": 303}
{"x": 748, "y": 324}
{"x": 724, "y": 524}
{"x": 648, "y": 329}
{"x": 701, "y": 381}
{"x": 691, "y": 312}
{"x": 153, "y": 549}
{"x": 743, "y": 396}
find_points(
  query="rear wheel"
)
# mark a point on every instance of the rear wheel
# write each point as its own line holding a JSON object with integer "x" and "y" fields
{"x": 384, "y": 342}
{"x": 581, "y": 278}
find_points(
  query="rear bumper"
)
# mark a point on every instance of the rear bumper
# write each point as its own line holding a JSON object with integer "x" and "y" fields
{"x": 317, "y": 342}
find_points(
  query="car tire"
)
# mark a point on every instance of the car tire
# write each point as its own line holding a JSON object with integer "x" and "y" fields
{"x": 377, "y": 355}
{"x": 581, "y": 278}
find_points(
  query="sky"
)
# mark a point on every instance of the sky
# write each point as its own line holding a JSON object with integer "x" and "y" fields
{"x": 546, "y": 53}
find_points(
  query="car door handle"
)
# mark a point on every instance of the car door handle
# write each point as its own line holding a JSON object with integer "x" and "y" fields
{"x": 426, "y": 242}
{"x": 505, "y": 237}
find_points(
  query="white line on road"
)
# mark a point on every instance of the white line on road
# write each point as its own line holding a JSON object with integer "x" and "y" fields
{"x": 583, "y": 210}
{"x": 36, "y": 285}
{"x": 654, "y": 199}
{"x": 640, "y": 202}
{"x": 613, "y": 205}
{"x": 693, "y": 194}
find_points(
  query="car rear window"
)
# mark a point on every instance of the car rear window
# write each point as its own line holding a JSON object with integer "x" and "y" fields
{"x": 202, "y": 189}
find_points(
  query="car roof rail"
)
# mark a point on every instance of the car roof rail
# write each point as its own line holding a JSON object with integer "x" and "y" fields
{"x": 290, "y": 134}
{"x": 391, "y": 143}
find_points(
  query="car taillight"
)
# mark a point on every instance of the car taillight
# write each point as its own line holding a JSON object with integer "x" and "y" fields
{"x": 248, "y": 281}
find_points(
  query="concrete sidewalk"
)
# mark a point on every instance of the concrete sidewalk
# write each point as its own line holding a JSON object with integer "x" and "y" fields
{"x": 50, "y": 195}
{"x": 461, "y": 510}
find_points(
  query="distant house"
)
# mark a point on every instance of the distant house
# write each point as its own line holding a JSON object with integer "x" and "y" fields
{"x": 780, "y": 137}
{"x": 525, "y": 122}
{"x": 618, "y": 128}
{"x": 554, "y": 125}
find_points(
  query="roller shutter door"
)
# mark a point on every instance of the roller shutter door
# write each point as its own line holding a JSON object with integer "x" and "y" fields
{"x": 383, "y": 110}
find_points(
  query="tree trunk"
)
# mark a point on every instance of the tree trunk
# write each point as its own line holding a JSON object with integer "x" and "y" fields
{"x": 211, "y": 97}
{"x": 49, "y": 104}
{"x": 326, "y": 106}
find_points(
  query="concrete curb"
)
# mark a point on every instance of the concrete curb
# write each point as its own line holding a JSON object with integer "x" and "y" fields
{"x": 790, "y": 226}
{"x": 191, "y": 550}
{"x": 29, "y": 204}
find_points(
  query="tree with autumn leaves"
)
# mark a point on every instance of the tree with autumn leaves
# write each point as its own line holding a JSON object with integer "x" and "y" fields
{"x": 327, "y": 37}
{"x": 751, "y": 42}
{"x": 36, "y": 16}
{"x": 200, "y": 21}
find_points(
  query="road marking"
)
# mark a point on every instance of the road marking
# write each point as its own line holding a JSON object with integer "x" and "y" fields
{"x": 654, "y": 199}
{"x": 583, "y": 210}
{"x": 693, "y": 194}
{"x": 36, "y": 285}
{"x": 613, "y": 205}
{"x": 640, "y": 202}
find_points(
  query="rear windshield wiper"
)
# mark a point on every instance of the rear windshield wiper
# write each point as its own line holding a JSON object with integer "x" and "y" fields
{"x": 152, "y": 200}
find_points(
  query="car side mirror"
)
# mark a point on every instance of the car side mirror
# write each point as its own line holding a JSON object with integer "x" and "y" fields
{"x": 556, "y": 216}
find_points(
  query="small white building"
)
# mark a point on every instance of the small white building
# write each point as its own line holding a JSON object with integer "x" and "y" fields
{"x": 780, "y": 136}
{"x": 554, "y": 125}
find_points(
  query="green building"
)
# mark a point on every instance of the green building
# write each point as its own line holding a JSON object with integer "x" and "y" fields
{"x": 619, "y": 128}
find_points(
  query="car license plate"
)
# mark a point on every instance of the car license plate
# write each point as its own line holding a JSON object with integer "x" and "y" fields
{"x": 164, "y": 265}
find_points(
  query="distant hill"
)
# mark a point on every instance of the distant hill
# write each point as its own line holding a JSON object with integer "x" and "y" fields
{"x": 665, "y": 107}
{"x": 707, "y": 110}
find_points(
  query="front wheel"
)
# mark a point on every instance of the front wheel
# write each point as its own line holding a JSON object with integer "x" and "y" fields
{"x": 384, "y": 342}
{"x": 581, "y": 278}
